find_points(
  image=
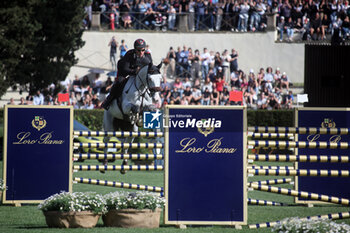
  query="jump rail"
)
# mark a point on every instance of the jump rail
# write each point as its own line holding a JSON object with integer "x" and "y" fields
{"x": 293, "y": 144}
{"x": 270, "y": 182}
{"x": 117, "y": 134}
{"x": 119, "y": 145}
{"x": 117, "y": 167}
{"x": 290, "y": 192}
{"x": 301, "y": 158}
{"x": 300, "y": 172}
{"x": 118, "y": 184}
{"x": 119, "y": 156}
{"x": 270, "y": 135}
{"x": 300, "y": 130}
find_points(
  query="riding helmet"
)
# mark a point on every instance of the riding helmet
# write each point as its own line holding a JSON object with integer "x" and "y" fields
{"x": 139, "y": 44}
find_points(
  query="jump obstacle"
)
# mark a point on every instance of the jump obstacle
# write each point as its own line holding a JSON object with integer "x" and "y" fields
{"x": 281, "y": 133}
{"x": 264, "y": 185}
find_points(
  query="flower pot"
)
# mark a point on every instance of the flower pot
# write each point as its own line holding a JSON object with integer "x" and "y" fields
{"x": 84, "y": 219}
{"x": 132, "y": 218}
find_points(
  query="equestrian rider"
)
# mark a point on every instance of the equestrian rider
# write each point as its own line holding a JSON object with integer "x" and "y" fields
{"x": 129, "y": 65}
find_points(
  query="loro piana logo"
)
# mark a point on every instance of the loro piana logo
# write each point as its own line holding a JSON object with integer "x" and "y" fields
{"x": 328, "y": 123}
{"x": 206, "y": 127}
{"x": 38, "y": 122}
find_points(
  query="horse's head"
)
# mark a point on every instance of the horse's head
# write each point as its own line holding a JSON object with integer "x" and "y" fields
{"x": 154, "y": 78}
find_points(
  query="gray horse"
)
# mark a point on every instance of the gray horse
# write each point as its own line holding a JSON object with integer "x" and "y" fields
{"x": 136, "y": 98}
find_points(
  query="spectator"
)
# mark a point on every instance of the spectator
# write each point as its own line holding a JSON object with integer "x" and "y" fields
{"x": 191, "y": 14}
{"x": 178, "y": 84}
{"x": 273, "y": 102}
{"x": 324, "y": 26}
{"x": 226, "y": 59}
{"x": 22, "y": 101}
{"x": 123, "y": 48}
{"x": 233, "y": 61}
{"x": 224, "y": 96}
{"x": 97, "y": 84}
{"x": 171, "y": 18}
{"x": 205, "y": 59}
{"x": 186, "y": 83}
{"x": 281, "y": 27}
{"x": 206, "y": 97}
{"x": 315, "y": 26}
{"x": 12, "y": 101}
{"x": 107, "y": 86}
{"x": 171, "y": 58}
{"x": 220, "y": 85}
{"x": 196, "y": 95}
{"x": 262, "y": 101}
{"x": 289, "y": 100}
{"x": 200, "y": 12}
{"x": 345, "y": 27}
{"x": 211, "y": 11}
{"x": 285, "y": 81}
{"x": 175, "y": 96}
{"x": 38, "y": 98}
{"x": 243, "y": 16}
{"x": 77, "y": 87}
{"x": 187, "y": 95}
{"x": 127, "y": 20}
{"x": 269, "y": 79}
{"x": 149, "y": 18}
{"x": 289, "y": 27}
{"x": 207, "y": 85}
{"x": 215, "y": 96}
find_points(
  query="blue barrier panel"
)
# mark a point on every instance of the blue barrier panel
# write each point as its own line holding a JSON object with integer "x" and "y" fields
{"x": 37, "y": 152}
{"x": 324, "y": 118}
{"x": 205, "y": 171}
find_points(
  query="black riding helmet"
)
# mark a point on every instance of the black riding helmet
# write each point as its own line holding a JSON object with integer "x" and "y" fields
{"x": 139, "y": 44}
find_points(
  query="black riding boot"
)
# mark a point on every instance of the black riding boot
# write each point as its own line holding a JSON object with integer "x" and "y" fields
{"x": 112, "y": 94}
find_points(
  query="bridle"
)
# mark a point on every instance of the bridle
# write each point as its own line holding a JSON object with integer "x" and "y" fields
{"x": 141, "y": 94}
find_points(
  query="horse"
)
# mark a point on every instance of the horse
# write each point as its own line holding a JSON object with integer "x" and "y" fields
{"x": 136, "y": 98}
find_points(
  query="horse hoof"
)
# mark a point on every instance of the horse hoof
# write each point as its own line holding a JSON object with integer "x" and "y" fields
{"x": 102, "y": 171}
{"x": 122, "y": 172}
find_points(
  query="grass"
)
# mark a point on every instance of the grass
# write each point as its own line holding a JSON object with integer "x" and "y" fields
{"x": 29, "y": 219}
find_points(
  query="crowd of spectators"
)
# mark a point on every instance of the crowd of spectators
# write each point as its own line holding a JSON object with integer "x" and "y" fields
{"x": 207, "y": 78}
{"x": 312, "y": 19}
{"x": 227, "y": 15}
{"x": 189, "y": 78}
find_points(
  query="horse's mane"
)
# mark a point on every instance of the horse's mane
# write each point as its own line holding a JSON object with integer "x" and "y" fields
{"x": 153, "y": 69}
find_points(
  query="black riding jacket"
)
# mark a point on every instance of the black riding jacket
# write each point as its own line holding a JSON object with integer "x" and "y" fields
{"x": 130, "y": 62}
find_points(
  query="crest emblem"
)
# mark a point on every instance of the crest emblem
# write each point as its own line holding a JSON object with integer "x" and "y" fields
{"x": 205, "y": 130}
{"x": 328, "y": 123}
{"x": 38, "y": 122}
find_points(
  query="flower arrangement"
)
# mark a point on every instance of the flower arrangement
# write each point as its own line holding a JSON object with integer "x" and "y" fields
{"x": 76, "y": 201}
{"x": 136, "y": 200}
{"x": 310, "y": 225}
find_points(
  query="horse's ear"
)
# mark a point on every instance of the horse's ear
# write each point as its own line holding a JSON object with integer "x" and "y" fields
{"x": 160, "y": 65}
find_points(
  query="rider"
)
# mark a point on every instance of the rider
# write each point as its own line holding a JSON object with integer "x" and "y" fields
{"x": 128, "y": 65}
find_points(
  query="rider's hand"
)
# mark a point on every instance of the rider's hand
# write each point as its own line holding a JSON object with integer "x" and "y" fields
{"x": 137, "y": 69}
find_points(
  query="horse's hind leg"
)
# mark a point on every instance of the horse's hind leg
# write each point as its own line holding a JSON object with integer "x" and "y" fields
{"x": 107, "y": 126}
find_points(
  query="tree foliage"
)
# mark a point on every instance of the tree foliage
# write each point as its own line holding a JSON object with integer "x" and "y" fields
{"x": 38, "y": 39}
